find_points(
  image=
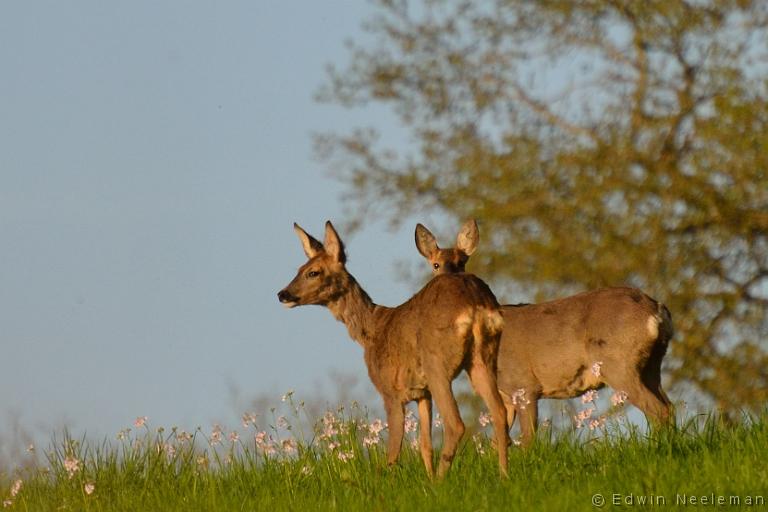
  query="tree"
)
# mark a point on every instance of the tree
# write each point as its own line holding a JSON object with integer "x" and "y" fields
{"x": 598, "y": 142}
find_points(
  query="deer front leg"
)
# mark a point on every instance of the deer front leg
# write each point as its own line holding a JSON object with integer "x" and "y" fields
{"x": 425, "y": 434}
{"x": 396, "y": 422}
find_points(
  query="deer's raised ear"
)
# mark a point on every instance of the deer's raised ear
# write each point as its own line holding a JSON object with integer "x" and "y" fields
{"x": 425, "y": 241}
{"x": 333, "y": 244}
{"x": 468, "y": 237}
{"x": 311, "y": 246}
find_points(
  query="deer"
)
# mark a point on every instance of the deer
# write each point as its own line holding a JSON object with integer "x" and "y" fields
{"x": 413, "y": 351}
{"x": 565, "y": 347}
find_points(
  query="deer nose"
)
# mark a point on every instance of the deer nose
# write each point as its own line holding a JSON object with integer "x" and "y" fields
{"x": 285, "y": 296}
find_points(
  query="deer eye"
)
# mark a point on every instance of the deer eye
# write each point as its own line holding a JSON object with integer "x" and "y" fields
{"x": 436, "y": 266}
{"x": 313, "y": 273}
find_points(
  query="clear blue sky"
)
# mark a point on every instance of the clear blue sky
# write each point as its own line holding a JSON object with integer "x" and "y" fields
{"x": 153, "y": 157}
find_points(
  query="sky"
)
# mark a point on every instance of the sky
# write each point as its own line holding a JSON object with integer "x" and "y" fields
{"x": 153, "y": 158}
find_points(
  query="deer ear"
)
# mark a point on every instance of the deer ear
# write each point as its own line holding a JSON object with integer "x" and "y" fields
{"x": 468, "y": 237}
{"x": 333, "y": 244}
{"x": 311, "y": 246}
{"x": 425, "y": 241}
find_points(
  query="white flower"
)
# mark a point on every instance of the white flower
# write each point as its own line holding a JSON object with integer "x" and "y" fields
{"x": 618, "y": 398}
{"x": 484, "y": 419}
{"x": 89, "y": 487}
{"x": 16, "y": 487}
{"x": 589, "y": 396}
{"x": 519, "y": 399}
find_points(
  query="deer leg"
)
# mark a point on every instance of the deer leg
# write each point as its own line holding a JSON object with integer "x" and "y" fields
{"x": 510, "y": 407}
{"x": 651, "y": 379}
{"x": 425, "y": 434}
{"x": 655, "y": 409}
{"x": 440, "y": 387}
{"x": 396, "y": 423}
{"x": 484, "y": 383}
{"x": 529, "y": 417}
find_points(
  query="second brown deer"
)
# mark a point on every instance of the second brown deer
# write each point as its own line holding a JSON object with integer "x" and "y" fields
{"x": 415, "y": 350}
{"x": 565, "y": 347}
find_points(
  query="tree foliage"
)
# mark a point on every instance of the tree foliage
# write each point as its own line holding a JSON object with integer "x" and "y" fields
{"x": 598, "y": 142}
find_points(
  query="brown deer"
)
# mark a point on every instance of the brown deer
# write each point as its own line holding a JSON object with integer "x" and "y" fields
{"x": 415, "y": 350}
{"x": 562, "y": 348}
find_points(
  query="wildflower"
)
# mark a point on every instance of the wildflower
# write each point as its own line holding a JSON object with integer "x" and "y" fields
{"x": 618, "y": 398}
{"x": 329, "y": 426}
{"x": 249, "y": 419}
{"x": 289, "y": 446}
{"x": 596, "y": 367}
{"x": 546, "y": 423}
{"x": 261, "y": 439}
{"x": 589, "y": 396}
{"x": 519, "y": 399}
{"x": 517, "y": 442}
{"x": 306, "y": 470}
{"x": 31, "y": 448}
{"x": 122, "y": 434}
{"x": 282, "y": 422}
{"x": 484, "y": 419}
{"x": 16, "y": 487}
{"x": 183, "y": 436}
{"x": 332, "y": 445}
{"x": 438, "y": 421}
{"x": 7, "y": 503}
{"x": 89, "y": 487}
{"x": 270, "y": 448}
{"x": 234, "y": 436}
{"x": 598, "y": 423}
{"x": 345, "y": 456}
{"x": 410, "y": 422}
{"x": 170, "y": 450}
{"x": 583, "y": 416}
{"x": 202, "y": 461}
{"x": 140, "y": 421}
{"x": 72, "y": 466}
{"x": 376, "y": 427}
{"x": 414, "y": 443}
{"x": 216, "y": 435}
{"x": 287, "y": 396}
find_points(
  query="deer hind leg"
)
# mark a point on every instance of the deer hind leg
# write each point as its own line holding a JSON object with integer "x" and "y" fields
{"x": 442, "y": 394}
{"x": 484, "y": 382}
{"x": 396, "y": 422}
{"x": 654, "y": 407}
{"x": 425, "y": 434}
{"x": 651, "y": 380}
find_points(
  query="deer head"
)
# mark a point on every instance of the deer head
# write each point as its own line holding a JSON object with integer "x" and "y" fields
{"x": 323, "y": 278}
{"x": 448, "y": 261}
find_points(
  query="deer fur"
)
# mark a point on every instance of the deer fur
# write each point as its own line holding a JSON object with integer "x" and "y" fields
{"x": 562, "y": 348}
{"x": 415, "y": 350}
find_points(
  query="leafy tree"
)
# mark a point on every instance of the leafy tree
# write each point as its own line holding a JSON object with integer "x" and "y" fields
{"x": 598, "y": 142}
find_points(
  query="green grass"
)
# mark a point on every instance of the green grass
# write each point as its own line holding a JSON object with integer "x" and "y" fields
{"x": 562, "y": 471}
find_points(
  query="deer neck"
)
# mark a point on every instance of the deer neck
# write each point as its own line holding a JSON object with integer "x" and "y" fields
{"x": 357, "y": 311}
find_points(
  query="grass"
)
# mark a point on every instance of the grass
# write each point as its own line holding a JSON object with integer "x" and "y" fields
{"x": 341, "y": 465}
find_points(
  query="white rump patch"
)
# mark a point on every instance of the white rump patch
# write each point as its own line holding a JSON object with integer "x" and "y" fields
{"x": 653, "y": 326}
{"x": 495, "y": 322}
{"x": 464, "y": 323}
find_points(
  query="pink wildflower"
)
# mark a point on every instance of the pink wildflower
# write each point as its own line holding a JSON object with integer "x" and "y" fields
{"x": 589, "y": 396}
{"x": 596, "y": 368}
{"x": 16, "y": 487}
{"x": 72, "y": 466}
{"x": 89, "y": 487}
{"x": 618, "y": 398}
{"x": 485, "y": 419}
{"x": 140, "y": 421}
